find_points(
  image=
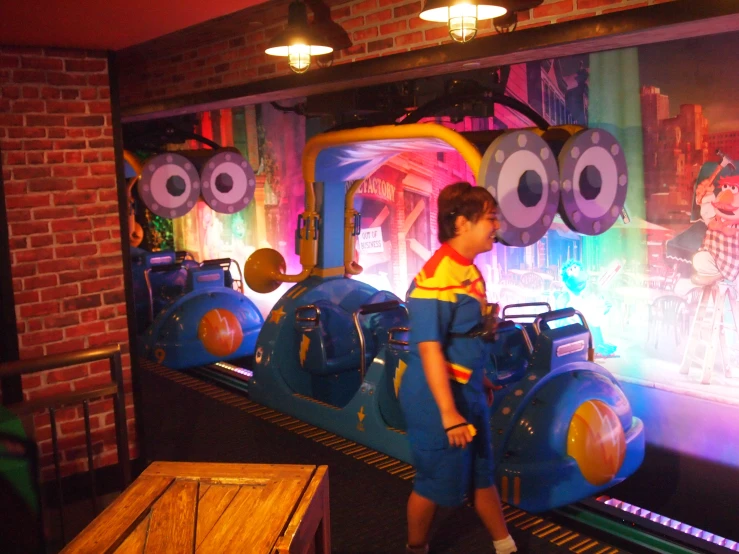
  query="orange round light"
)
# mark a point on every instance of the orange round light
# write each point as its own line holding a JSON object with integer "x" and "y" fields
{"x": 597, "y": 442}
{"x": 220, "y": 332}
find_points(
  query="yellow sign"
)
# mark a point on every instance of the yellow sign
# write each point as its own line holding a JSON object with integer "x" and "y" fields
{"x": 276, "y": 315}
{"x": 304, "y": 345}
{"x": 360, "y": 415}
{"x": 399, "y": 375}
{"x": 378, "y": 188}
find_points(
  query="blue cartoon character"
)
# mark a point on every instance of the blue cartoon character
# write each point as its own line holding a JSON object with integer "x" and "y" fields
{"x": 592, "y": 305}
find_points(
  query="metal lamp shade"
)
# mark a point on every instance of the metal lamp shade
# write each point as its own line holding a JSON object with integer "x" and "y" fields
{"x": 298, "y": 41}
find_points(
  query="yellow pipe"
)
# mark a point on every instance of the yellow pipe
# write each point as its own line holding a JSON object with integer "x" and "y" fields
{"x": 350, "y": 266}
{"x": 384, "y": 132}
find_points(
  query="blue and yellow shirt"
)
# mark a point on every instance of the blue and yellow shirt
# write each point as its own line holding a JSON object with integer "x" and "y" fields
{"x": 448, "y": 296}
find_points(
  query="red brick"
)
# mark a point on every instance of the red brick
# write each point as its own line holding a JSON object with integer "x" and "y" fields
{"x": 93, "y": 133}
{"x": 340, "y": 12}
{"x": 35, "y": 310}
{"x": 39, "y": 241}
{"x": 77, "y": 276}
{"x": 63, "y": 320}
{"x": 38, "y": 145}
{"x": 18, "y": 243}
{"x": 66, "y": 346}
{"x": 53, "y": 106}
{"x": 378, "y": 45}
{"x": 28, "y": 106}
{"x": 409, "y": 38}
{"x": 35, "y": 158}
{"x": 82, "y": 302}
{"x": 54, "y": 214}
{"x": 60, "y": 225}
{"x": 101, "y": 235}
{"x": 85, "y": 329}
{"x": 53, "y": 266}
{"x": 45, "y": 120}
{"x": 41, "y": 63}
{"x": 390, "y": 28}
{"x": 377, "y": 17}
{"x": 14, "y": 120}
{"x": 101, "y": 143}
{"x": 29, "y": 297}
{"x": 74, "y": 198}
{"x": 633, "y": 6}
{"x": 27, "y": 132}
{"x": 73, "y": 157}
{"x": 109, "y": 195}
{"x": 51, "y": 184}
{"x": 24, "y": 270}
{"x": 364, "y": 6}
{"x": 75, "y": 251}
{"x": 11, "y": 92}
{"x": 98, "y": 209}
{"x": 10, "y": 62}
{"x": 589, "y": 4}
{"x": 364, "y": 34}
{"x": 69, "y": 145}
{"x": 55, "y": 157}
{"x": 30, "y": 92}
{"x": 52, "y": 93}
{"x": 70, "y": 94}
{"x": 86, "y": 121}
{"x": 558, "y": 7}
{"x": 27, "y": 201}
{"x": 28, "y": 228}
{"x": 86, "y": 236}
{"x": 57, "y": 132}
{"x": 7, "y": 145}
{"x": 88, "y": 93}
{"x": 68, "y": 79}
{"x": 89, "y": 157}
{"x": 40, "y": 282}
{"x": 15, "y": 158}
{"x": 41, "y": 338}
{"x": 64, "y": 238}
{"x": 414, "y": 8}
{"x": 29, "y": 76}
{"x": 71, "y": 170}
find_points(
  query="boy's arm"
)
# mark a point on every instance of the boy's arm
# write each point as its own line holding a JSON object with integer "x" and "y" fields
{"x": 437, "y": 376}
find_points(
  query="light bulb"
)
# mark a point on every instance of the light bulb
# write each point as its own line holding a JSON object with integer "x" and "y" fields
{"x": 462, "y": 22}
{"x": 298, "y": 57}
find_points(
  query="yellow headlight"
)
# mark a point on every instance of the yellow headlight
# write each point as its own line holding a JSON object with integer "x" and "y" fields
{"x": 596, "y": 440}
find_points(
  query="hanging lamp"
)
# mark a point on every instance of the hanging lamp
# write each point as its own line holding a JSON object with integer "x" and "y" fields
{"x": 462, "y": 16}
{"x": 299, "y": 41}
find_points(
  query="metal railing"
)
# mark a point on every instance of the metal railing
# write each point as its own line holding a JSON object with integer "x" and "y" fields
{"x": 112, "y": 389}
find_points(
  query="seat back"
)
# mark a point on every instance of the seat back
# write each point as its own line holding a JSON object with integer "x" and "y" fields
{"x": 328, "y": 343}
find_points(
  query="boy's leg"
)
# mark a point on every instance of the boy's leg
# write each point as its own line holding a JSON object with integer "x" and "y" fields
{"x": 487, "y": 506}
{"x": 420, "y": 516}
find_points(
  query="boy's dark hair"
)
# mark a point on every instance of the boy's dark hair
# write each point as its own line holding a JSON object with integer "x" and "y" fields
{"x": 461, "y": 199}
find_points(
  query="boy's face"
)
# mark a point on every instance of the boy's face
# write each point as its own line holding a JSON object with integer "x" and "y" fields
{"x": 480, "y": 234}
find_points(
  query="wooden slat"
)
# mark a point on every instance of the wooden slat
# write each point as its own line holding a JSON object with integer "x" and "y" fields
{"x": 211, "y": 507}
{"x": 223, "y": 537}
{"x": 172, "y": 527}
{"x": 203, "y": 489}
{"x": 136, "y": 541}
{"x": 111, "y": 527}
{"x": 312, "y": 513}
{"x": 255, "y": 518}
{"x": 226, "y": 473}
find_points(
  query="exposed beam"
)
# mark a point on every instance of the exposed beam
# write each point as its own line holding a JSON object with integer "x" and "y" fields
{"x": 634, "y": 27}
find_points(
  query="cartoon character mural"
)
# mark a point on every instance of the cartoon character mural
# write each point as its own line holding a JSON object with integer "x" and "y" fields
{"x": 586, "y": 299}
{"x": 718, "y": 257}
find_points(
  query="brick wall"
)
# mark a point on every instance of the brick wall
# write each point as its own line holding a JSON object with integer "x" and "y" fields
{"x": 62, "y": 207}
{"x": 230, "y": 51}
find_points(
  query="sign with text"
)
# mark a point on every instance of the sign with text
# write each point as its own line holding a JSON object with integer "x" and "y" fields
{"x": 370, "y": 241}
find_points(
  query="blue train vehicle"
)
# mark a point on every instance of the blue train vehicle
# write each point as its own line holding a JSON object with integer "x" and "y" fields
{"x": 332, "y": 352}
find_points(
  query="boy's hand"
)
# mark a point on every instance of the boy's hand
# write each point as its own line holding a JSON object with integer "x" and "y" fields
{"x": 490, "y": 389}
{"x": 458, "y": 433}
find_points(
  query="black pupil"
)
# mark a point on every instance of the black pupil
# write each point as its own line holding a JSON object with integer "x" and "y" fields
{"x": 176, "y": 185}
{"x": 530, "y": 188}
{"x": 591, "y": 182}
{"x": 224, "y": 183}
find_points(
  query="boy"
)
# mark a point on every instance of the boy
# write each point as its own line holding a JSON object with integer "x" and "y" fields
{"x": 444, "y": 389}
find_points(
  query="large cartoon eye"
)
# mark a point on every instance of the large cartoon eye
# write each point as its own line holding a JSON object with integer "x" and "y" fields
{"x": 594, "y": 181}
{"x": 228, "y": 182}
{"x": 519, "y": 170}
{"x": 169, "y": 185}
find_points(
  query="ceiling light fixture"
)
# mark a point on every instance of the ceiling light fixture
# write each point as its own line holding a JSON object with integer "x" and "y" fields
{"x": 299, "y": 41}
{"x": 462, "y": 16}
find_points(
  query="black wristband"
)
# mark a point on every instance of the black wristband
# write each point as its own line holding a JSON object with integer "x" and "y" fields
{"x": 455, "y": 426}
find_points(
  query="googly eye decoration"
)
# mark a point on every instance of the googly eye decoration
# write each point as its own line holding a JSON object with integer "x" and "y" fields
{"x": 595, "y": 181}
{"x": 228, "y": 182}
{"x": 169, "y": 185}
{"x": 520, "y": 171}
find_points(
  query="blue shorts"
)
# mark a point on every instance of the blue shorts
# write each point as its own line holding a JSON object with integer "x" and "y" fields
{"x": 446, "y": 474}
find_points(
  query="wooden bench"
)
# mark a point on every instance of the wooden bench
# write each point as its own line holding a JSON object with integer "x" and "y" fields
{"x": 215, "y": 508}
